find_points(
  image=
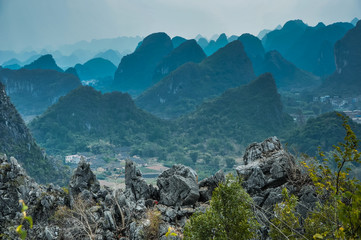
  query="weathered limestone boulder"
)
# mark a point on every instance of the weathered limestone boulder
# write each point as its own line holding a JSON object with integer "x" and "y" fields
{"x": 178, "y": 186}
{"x": 83, "y": 181}
{"x": 207, "y": 186}
{"x": 266, "y": 165}
{"x": 266, "y": 171}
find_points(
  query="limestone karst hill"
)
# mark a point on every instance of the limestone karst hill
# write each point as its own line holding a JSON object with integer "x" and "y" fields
{"x": 46, "y": 62}
{"x": 135, "y": 70}
{"x": 346, "y": 80}
{"x": 189, "y": 85}
{"x": 33, "y": 91}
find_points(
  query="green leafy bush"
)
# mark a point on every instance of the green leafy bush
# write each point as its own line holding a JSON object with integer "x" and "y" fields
{"x": 230, "y": 215}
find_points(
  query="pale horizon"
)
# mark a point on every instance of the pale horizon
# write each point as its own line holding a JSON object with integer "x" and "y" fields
{"x": 42, "y": 24}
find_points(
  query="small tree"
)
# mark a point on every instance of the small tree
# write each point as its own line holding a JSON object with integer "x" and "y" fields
{"x": 230, "y": 215}
{"x": 338, "y": 215}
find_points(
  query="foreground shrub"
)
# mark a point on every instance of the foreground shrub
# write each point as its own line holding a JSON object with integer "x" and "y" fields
{"x": 230, "y": 215}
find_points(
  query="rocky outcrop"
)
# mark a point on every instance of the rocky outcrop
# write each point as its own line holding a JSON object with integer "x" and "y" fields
{"x": 88, "y": 210}
{"x": 207, "y": 186}
{"x": 16, "y": 185}
{"x": 266, "y": 171}
{"x": 83, "y": 181}
{"x": 178, "y": 186}
{"x": 12, "y": 179}
{"x": 266, "y": 165}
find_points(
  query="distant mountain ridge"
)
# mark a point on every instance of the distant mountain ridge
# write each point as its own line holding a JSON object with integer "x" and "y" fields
{"x": 95, "y": 68}
{"x": 86, "y": 120}
{"x": 188, "y": 51}
{"x": 254, "y": 49}
{"x": 45, "y": 62}
{"x": 111, "y": 55}
{"x": 309, "y": 48}
{"x": 189, "y": 85}
{"x": 287, "y": 75}
{"x": 214, "y": 45}
{"x": 33, "y": 91}
{"x": 135, "y": 70}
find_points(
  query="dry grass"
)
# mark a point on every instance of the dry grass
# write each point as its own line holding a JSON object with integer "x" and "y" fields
{"x": 154, "y": 217}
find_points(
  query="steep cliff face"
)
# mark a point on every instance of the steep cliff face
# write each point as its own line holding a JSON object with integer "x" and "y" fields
{"x": 17, "y": 141}
{"x": 33, "y": 91}
{"x": 254, "y": 49}
{"x": 346, "y": 80}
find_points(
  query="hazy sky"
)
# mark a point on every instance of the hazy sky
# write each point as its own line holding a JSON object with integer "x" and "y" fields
{"x": 41, "y": 23}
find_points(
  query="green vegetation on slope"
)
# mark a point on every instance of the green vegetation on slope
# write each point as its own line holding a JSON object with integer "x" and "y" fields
{"x": 241, "y": 115}
{"x": 33, "y": 91}
{"x": 322, "y": 131}
{"x": 84, "y": 116}
{"x": 16, "y": 141}
{"x": 189, "y": 85}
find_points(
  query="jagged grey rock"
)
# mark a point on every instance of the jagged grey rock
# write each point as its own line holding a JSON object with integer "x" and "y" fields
{"x": 109, "y": 221}
{"x": 178, "y": 186}
{"x": 135, "y": 182}
{"x": 82, "y": 180}
{"x": 266, "y": 171}
{"x": 15, "y": 185}
{"x": 266, "y": 164}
